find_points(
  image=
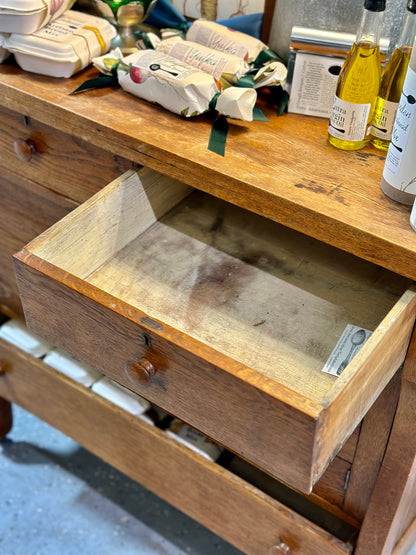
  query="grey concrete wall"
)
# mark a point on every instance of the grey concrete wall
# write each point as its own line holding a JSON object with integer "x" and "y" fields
{"x": 333, "y": 15}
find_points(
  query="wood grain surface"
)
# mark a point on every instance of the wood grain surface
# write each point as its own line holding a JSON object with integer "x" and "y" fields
{"x": 107, "y": 265}
{"x": 283, "y": 169}
{"x": 25, "y": 211}
{"x": 202, "y": 489}
{"x": 63, "y": 162}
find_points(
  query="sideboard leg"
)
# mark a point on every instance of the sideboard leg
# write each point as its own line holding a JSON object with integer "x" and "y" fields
{"x": 392, "y": 508}
{"x": 5, "y": 418}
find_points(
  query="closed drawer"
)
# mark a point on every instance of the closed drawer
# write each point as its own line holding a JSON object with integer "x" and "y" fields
{"x": 25, "y": 210}
{"x": 54, "y": 159}
{"x": 208, "y": 492}
{"x": 218, "y": 316}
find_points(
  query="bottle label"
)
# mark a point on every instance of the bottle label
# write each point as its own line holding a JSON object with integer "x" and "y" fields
{"x": 384, "y": 116}
{"x": 349, "y": 121}
{"x": 400, "y": 167}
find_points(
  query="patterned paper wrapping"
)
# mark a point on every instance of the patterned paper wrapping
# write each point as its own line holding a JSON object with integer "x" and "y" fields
{"x": 177, "y": 86}
{"x": 221, "y": 38}
{"x": 225, "y": 68}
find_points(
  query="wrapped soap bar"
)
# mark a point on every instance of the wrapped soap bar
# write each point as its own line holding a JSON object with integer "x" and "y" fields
{"x": 72, "y": 367}
{"x": 225, "y": 68}
{"x": 219, "y": 37}
{"x": 3, "y": 52}
{"x": 17, "y": 334}
{"x": 193, "y": 439}
{"x": 177, "y": 86}
{"x": 64, "y": 46}
{"x": 27, "y": 16}
{"x": 121, "y": 396}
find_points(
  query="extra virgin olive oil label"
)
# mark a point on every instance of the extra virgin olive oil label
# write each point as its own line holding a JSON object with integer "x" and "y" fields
{"x": 384, "y": 115}
{"x": 349, "y": 121}
{"x": 400, "y": 167}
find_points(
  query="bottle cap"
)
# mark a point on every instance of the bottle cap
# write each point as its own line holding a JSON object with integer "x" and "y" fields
{"x": 411, "y": 6}
{"x": 375, "y": 5}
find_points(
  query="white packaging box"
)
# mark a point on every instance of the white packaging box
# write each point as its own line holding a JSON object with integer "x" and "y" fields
{"x": 27, "y": 16}
{"x": 3, "y": 52}
{"x": 64, "y": 46}
{"x": 17, "y": 334}
{"x": 121, "y": 396}
{"x": 72, "y": 367}
{"x": 193, "y": 439}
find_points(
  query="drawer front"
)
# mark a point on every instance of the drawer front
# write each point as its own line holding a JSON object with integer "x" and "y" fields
{"x": 84, "y": 274}
{"x": 26, "y": 209}
{"x": 63, "y": 163}
{"x": 204, "y": 490}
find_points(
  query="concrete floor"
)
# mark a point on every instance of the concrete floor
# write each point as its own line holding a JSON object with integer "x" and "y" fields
{"x": 56, "y": 498}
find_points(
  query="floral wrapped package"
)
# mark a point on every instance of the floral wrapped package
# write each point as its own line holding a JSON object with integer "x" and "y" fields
{"x": 221, "y": 38}
{"x": 232, "y": 57}
{"x": 227, "y": 69}
{"x": 176, "y": 86}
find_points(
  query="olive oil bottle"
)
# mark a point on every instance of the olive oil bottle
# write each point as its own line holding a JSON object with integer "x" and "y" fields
{"x": 399, "y": 174}
{"x": 392, "y": 82}
{"x": 358, "y": 83}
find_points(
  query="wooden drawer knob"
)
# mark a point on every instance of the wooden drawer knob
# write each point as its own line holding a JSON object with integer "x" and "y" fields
{"x": 24, "y": 149}
{"x": 281, "y": 549}
{"x": 140, "y": 373}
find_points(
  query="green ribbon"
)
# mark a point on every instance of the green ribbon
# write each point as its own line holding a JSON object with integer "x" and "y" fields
{"x": 100, "y": 82}
{"x": 258, "y": 115}
{"x": 266, "y": 56}
{"x": 218, "y": 135}
{"x": 246, "y": 81}
{"x": 280, "y": 99}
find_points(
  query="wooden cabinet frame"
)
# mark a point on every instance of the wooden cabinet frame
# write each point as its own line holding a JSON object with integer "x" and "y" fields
{"x": 299, "y": 181}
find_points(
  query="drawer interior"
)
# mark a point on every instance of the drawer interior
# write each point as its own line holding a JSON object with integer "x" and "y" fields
{"x": 271, "y": 298}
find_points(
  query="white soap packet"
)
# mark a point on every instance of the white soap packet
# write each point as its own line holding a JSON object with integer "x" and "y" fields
{"x": 17, "y": 334}
{"x": 193, "y": 439}
{"x": 121, "y": 396}
{"x": 27, "y": 16}
{"x": 64, "y": 46}
{"x": 221, "y": 38}
{"x": 175, "y": 85}
{"x": 72, "y": 367}
{"x": 348, "y": 345}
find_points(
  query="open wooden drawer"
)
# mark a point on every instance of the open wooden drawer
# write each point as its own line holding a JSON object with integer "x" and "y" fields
{"x": 218, "y": 316}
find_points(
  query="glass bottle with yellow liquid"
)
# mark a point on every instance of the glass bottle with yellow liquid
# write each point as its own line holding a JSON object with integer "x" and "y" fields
{"x": 358, "y": 83}
{"x": 392, "y": 82}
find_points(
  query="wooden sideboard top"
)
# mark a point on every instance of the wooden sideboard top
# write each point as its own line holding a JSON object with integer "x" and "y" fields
{"x": 283, "y": 169}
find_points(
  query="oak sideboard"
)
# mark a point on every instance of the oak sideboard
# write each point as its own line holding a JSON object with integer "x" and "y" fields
{"x": 216, "y": 287}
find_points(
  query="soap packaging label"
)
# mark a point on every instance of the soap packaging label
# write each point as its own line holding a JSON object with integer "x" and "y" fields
{"x": 348, "y": 345}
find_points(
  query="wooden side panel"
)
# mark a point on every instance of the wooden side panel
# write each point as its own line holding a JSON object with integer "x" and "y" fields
{"x": 372, "y": 443}
{"x": 227, "y": 505}
{"x": 392, "y": 508}
{"x": 68, "y": 164}
{"x": 251, "y": 421}
{"x": 372, "y": 369}
{"x": 26, "y": 210}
